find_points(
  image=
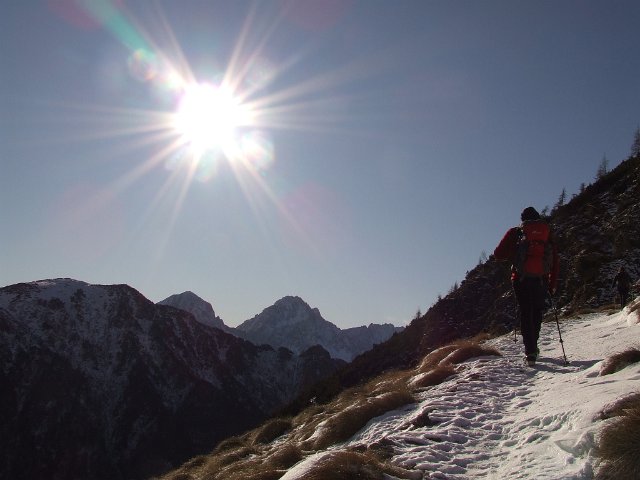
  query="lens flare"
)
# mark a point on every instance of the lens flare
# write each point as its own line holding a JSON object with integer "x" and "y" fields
{"x": 143, "y": 65}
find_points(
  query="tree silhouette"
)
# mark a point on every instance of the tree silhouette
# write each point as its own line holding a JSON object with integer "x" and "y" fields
{"x": 635, "y": 146}
{"x": 562, "y": 198}
{"x": 603, "y": 168}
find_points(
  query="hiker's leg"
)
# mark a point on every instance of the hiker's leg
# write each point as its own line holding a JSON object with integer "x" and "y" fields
{"x": 527, "y": 325}
{"x": 538, "y": 291}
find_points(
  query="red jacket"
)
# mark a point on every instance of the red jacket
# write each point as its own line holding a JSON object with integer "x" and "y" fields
{"x": 508, "y": 248}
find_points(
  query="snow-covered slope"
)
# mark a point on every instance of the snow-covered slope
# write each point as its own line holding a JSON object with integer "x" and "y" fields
{"x": 96, "y": 381}
{"x": 293, "y": 324}
{"x": 499, "y": 419}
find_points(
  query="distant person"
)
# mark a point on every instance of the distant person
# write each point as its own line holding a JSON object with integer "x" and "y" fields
{"x": 532, "y": 250}
{"x": 623, "y": 280}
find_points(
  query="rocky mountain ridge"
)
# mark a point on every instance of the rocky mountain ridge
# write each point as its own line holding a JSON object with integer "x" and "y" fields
{"x": 291, "y": 323}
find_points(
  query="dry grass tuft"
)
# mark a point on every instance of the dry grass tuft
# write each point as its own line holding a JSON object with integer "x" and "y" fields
{"x": 188, "y": 471}
{"x": 433, "y": 377}
{"x": 617, "y": 362}
{"x": 468, "y": 350}
{"x": 619, "y": 444}
{"x": 243, "y": 457}
{"x": 617, "y": 408}
{"x": 433, "y": 359}
{"x": 388, "y": 382}
{"x": 232, "y": 443}
{"x": 321, "y": 426}
{"x": 284, "y": 457}
{"x": 271, "y": 430}
{"x": 348, "y": 421}
{"x": 483, "y": 337}
{"x": 247, "y": 464}
{"x": 456, "y": 352}
{"x": 350, "y": 465}
{"x": 217, "y": 462}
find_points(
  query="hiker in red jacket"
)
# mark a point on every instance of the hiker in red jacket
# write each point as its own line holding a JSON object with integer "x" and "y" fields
{"x": 533, "y": 253}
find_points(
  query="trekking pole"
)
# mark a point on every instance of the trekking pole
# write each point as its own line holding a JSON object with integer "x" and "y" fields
{"x": 555, "y": 311}
{"x": 515, "y": 323}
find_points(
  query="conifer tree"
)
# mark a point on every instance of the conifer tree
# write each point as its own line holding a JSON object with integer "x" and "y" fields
{"x": 563, "y": 197}
{"x": 603, "y": 168}
{"x": 635, "y": 146}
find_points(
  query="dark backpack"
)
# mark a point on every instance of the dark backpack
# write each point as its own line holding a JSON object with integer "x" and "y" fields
{"x": 534, "y": 252}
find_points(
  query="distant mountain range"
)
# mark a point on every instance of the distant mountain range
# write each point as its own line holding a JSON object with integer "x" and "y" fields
{"x": 99, "y": 382}
{"x": 290, "y": 323}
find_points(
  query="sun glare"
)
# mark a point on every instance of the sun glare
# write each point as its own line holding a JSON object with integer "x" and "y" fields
{"x": 208, "y": 117}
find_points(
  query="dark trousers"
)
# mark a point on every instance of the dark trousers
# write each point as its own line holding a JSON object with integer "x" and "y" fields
{"x": 531, "y": 294}
{"x": 624, "y": 296}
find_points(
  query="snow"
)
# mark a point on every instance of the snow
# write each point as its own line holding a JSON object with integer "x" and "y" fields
{"x": 498, "y": 418}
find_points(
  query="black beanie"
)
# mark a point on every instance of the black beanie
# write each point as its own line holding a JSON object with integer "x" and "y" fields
{"x": 529, "y": 213}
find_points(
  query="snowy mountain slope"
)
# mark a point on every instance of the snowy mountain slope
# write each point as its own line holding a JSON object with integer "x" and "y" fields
{"x": 293, "y": 324}
{"x": 98, "y": 382}
{"x": 498, "y": 419}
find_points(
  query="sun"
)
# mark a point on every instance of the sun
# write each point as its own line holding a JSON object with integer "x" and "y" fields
{"x": 209, "y": 116}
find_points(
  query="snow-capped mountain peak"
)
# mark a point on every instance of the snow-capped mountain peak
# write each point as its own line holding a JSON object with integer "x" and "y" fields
{"x": 199, "y": 308}
{"x": 286, "y": 312}
{"x": 292, "y": 323}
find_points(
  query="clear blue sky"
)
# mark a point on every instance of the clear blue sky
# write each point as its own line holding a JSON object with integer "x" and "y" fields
{"x": 389, "y": 143}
